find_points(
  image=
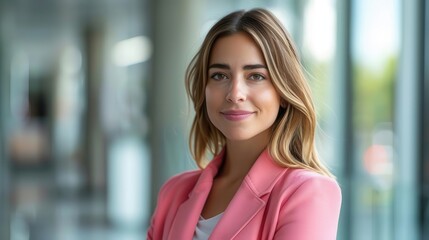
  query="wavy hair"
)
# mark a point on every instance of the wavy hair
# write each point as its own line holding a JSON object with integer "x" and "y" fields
{"x": 292, "y": 142}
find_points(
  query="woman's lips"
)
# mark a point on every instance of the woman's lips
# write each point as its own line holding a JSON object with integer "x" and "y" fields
{"x": 236, "y": 115}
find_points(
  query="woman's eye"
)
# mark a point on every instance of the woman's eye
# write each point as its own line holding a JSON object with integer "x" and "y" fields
{"x": 257, "y": 77}
{"x": 218, "y": 76}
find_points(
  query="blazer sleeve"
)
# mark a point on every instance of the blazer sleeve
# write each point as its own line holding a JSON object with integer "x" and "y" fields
{"x": 311, "y": 212}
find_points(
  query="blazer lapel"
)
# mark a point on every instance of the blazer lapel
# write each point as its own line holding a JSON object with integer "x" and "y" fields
{"x": 249, "y": 200}
{"x": 187, "y": 216}
{"x": 186, "y": 219}
{"x": 241, "y": 210}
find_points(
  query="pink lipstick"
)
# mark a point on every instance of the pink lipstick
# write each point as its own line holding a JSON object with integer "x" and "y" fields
{"x": 236, "y": 115}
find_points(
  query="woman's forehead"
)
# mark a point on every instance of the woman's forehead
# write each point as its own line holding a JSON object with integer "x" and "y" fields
{"x": 238, "y": 47}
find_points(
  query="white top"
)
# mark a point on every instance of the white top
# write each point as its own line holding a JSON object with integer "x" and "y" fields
{"x": 205, "y": 227}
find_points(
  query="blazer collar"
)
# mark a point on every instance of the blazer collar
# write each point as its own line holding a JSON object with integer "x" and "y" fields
{"x": 264, "y": 174}
{"x": 259, "y": 181}
{"x": 261, "y": 177}
{"x": 209, "y": 173}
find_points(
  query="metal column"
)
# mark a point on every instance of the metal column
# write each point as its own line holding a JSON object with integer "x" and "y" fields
{"x": 4, "y": 175}
{"x": 408, "y": 123}
{"x": 343, "y": 132}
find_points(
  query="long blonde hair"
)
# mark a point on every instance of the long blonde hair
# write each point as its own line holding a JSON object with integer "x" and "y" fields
{"x": 292, "y": 143}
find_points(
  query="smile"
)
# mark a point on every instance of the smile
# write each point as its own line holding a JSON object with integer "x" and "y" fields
{"x": 236, "y": 115}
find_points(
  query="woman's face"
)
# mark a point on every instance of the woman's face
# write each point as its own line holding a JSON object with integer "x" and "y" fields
{"x": 241, "y": 100}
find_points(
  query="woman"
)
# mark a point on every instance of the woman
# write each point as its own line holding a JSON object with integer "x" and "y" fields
{"x": 254, "y": 113}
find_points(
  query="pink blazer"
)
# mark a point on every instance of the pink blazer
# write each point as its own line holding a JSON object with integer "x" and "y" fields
{"x": 272, "y": 203}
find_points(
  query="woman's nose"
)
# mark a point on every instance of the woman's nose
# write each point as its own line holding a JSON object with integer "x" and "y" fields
{"x": 236, "y": 92}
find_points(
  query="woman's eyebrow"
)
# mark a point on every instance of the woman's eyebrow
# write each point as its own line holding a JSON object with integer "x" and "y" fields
{"x": 219, "y": 65}
{"x": 254, "y": 66}
{"x": 245, "y": 67}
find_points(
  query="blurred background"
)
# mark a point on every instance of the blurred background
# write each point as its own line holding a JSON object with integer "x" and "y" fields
{"x": 94, "y": 116}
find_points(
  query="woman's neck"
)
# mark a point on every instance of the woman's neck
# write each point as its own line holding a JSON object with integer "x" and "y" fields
{"x": 241, "y": 155}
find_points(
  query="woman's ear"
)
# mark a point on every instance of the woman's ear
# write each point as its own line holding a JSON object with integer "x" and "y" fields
{"x": 283, "y": 103}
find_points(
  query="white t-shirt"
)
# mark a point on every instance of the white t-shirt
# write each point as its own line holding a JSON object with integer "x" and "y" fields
{"x": 205, "y": 227}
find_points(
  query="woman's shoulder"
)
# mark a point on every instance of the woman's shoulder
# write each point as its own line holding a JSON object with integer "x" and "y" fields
{"x": 300, "y": 176}
{"x": 303, "y": 199}
{"x": 301, "y": 180}
{"x": 184, "y": 182}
